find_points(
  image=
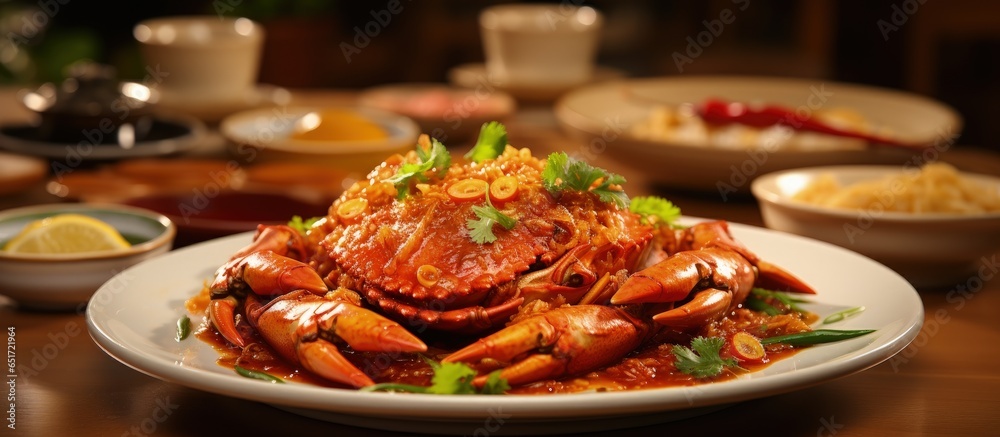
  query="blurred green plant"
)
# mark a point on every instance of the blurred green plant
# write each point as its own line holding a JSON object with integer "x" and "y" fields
{"x": 31, "y": 51}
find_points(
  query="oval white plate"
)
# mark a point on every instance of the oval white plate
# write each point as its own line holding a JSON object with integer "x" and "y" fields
{"x": 602, "y": 114}
{"x": 133, "y": 318}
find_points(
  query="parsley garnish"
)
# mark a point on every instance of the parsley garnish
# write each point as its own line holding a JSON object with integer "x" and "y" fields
{"x": 492, "y": 140}
{"x": 564, "y": 173}
{"x": 435, "y": 158}
{"x": 302, "y": 225}
{"x": 704, "y": 361}
{"x": 666, "y": 212}
{"x": 449, "y": 379}
{"x": 481, "y": 229}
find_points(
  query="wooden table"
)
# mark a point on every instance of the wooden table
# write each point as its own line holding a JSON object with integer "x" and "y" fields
{"x": 944, "y": 383}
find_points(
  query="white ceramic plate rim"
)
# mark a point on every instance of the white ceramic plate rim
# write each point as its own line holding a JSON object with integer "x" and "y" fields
{"x": 132, "y": 318}
{"x": 765, "y": 189}
{"x": 568, "y": 110}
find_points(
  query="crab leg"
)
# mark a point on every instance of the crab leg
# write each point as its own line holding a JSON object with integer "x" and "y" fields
{"x": 263, "y": 273}
{"x": 564, "y": 341}
{"x": 306, "y": 328}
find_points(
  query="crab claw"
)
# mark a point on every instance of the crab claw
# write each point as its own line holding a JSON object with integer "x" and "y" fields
{"x": 718, "y": 278}
{"x": 264, "y": 273}
{"x": 306, "y": 328}
{"x": 280, "y": 239}
{"x": 772, "y": 277}
{"x": 564, "y": 341}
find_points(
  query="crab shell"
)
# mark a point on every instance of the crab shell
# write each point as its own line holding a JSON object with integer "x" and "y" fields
{"x": 386, "y": 251}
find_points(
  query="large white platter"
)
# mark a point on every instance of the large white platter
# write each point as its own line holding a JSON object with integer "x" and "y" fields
{"x": 602, "y": 115}
{"x": 133, "y": 318}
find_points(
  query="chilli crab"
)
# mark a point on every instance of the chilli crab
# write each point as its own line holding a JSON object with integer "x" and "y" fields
{"x": 547, "y": 261}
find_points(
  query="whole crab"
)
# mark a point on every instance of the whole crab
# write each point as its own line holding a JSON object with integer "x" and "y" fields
{"x": 575, "y": 283}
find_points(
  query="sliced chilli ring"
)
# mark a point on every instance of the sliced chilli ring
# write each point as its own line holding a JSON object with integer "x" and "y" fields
{"x": 746, "y": 348}
{"x": 504, "y": 189}
{"x": 468, "y": 190}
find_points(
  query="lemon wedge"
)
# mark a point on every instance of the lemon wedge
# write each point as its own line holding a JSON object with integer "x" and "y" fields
{"x": 66, "y": 233}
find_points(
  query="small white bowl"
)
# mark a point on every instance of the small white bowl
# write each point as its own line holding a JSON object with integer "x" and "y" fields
{"x": 264, "y": 135}
{"x": 65, "y": 281}
{"x": 930, "y": 250}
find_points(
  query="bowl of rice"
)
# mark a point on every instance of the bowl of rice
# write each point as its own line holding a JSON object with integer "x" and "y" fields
{"x": 934, "y": 225}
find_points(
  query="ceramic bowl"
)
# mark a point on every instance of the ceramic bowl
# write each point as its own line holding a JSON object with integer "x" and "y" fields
{"x": 266, "y": 135}
{"x": 66, "y": 281}
{"x": 932, "y": 250}
{"x": 449, "y": 114}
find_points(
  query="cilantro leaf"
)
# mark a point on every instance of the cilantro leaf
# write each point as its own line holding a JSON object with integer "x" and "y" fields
{"x": 495, "y": 385}
{"x": 301, "y": 225}
{"x": 452, "y": 378}
{"x": 665, "y": 211}
{"x": 435, "y": 158}
{"x": 564, "y": 173}
{"x": 492, "y": 140}
{"x": 481, "y": 229}
{"x": 448, "y": 379}
{"x": 704, "y": 360}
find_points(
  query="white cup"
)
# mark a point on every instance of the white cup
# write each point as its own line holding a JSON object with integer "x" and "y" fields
{"x": 540, "y": 44}
{"x": 203, "y": 58}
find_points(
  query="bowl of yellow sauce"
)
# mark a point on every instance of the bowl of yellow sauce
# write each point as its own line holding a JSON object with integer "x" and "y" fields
{"x": 345, "y": 138}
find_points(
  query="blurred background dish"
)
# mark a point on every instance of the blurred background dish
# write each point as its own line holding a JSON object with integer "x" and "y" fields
{"x": 164, "y": 135}
{"x": 451, "y": 115}
{"x": 212, "y": 111}
{"x": 350, "y": 139}
{"x": 19, "y": 172}
{"x": 203, "y": 216}
{"x": 63, "y": 281}
{"x": 475, "y": 76}
{"x": 611, "y": 114}
{"x": 92, "y": 100}
{"x": 928, "y": 249}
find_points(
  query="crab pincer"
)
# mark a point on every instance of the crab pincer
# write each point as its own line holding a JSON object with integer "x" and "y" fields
{"x": 564, "y": 341}
{"x": 262, "y": 273}
{"x": 307, "y": 329}
{"x": 710, "y": 277}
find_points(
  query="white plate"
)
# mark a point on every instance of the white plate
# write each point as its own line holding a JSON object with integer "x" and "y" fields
{"x": 265, "y": 135}
{"x": 133, "y": 319}
{"x": 602, "y": 115}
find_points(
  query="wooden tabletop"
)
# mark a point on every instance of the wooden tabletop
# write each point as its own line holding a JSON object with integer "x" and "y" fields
{"x": 945, "y": 383}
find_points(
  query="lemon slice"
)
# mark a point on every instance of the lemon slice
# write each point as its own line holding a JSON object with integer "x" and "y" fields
{"x": 67, "y": 233}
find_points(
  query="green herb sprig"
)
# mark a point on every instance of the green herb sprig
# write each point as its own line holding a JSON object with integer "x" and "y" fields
{"x": 815, "y": 337}
{"x": 449, "y": 378}
{"x": 183, "y": 328}
{"x": 662, "y": 211}
{"x": 490, "y": 144}
{"x": 436, "y": 158}
{"x": 564, "y": 173}
{"x": 702, "y": 360}
{"x": 481, "y": 228}
{"x": 253, "y": 374}
{"x": 302, "y": 226}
